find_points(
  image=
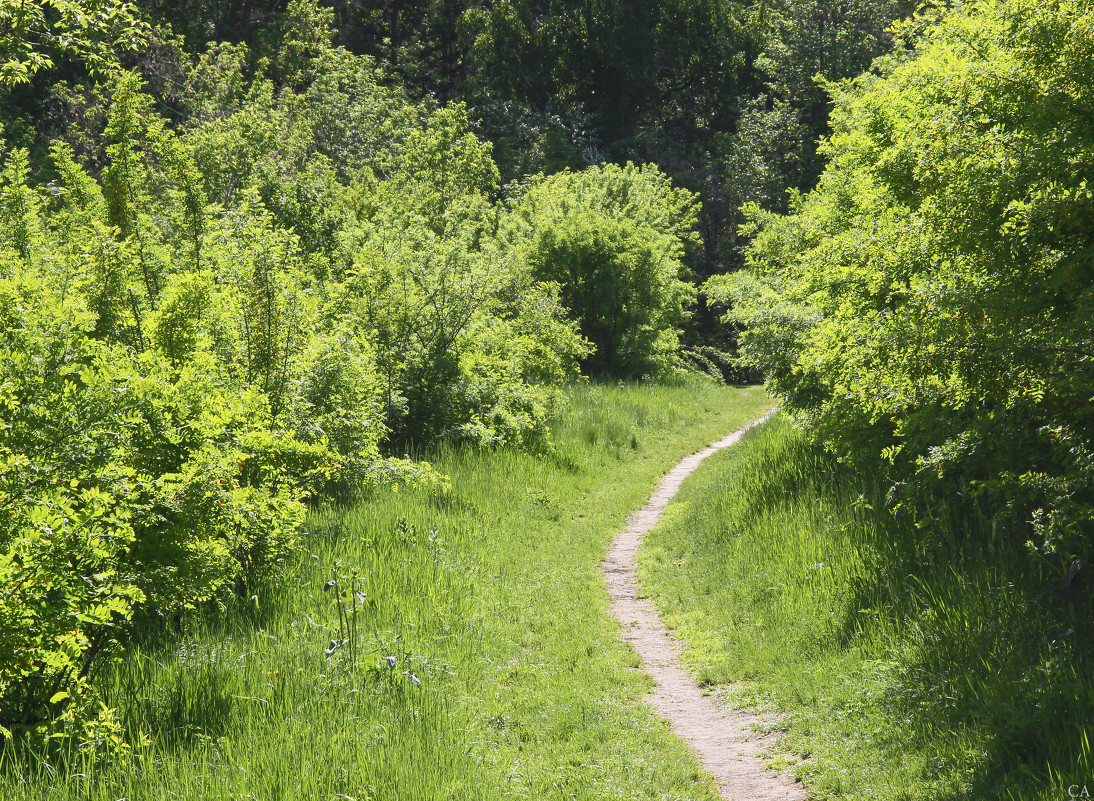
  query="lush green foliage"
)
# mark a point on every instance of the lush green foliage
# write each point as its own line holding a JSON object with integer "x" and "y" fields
{"x": 470, "y": 345}
{"x": 490, "y": 597}
{"x": 806, "y": 45}
{"x": 907, "y": 661}
{"x": 295, "y": 240}
{"x": 128, "y": 486}
{"x": 613, "y": 239}
{"x": 721, "y": 95}
{"x": 35, "y": 33}
{"x": 932, "y": 298}
{"x": 569, "y": 84}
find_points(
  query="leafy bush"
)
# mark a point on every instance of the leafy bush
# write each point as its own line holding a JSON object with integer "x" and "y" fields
{"x": 613, "y": 238}
{"x": 128, "y": 486}
{"x": 932, "y": 298}
{"x": 34, "y": 35}
{"x": 469, "y": 346}
{"x": 391, "y": 254}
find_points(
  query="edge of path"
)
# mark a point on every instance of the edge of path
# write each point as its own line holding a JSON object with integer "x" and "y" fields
{"x": 729, "y": 743}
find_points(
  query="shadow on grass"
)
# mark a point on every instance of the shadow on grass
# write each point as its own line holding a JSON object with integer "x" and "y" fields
{"x": 994, "y": 675}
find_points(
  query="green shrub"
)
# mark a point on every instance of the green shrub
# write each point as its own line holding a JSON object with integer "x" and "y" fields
{"x": 208, "y": 323}
{"x": 931, "y": 300}
{"x": 129, "y": 488}
{"x": 468, "y": 346}
{"x": 613, "y": 238}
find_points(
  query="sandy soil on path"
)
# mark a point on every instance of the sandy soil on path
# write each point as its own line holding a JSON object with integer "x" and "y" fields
{"x": 729, "y": 743}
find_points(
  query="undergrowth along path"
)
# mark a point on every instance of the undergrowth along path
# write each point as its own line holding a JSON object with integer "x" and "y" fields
{"x": 731, "y": 744}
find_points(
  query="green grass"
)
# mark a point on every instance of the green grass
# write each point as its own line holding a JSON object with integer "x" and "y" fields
{"x": 489, "y": 597}
{"x": 908, "y": 662}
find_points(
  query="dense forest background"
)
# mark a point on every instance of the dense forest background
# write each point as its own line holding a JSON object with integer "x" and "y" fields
{"x": 727, "y": 98}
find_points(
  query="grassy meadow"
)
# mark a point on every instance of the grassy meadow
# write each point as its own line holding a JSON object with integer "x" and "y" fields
{"x": 908, "y": 663}
{"x": 453, "y": 646}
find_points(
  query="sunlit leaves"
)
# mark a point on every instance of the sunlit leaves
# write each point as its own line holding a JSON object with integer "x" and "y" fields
{"x": 33, "y": 33}
{"x": 936, "y": 288}
{"x": 613, "y": 238}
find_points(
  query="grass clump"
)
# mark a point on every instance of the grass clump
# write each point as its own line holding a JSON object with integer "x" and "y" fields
{"x": 463, "y": 651}
{"x": 929, "y": 661}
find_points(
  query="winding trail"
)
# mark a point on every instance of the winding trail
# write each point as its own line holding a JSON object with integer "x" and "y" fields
{"x": 729, "y": 743}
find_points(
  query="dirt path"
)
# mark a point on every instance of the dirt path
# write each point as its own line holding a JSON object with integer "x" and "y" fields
{"x": 726, "y": 741}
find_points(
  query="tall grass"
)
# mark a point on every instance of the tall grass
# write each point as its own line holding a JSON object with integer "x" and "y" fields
{"x": 929, "y": 661}
{"x": 463, "y": 651}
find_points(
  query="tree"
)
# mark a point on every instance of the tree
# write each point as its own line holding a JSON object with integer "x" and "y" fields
{"x": 613, "y": 238}
{"x": 777, "y": 131}
{"x": 35, "y": 33}
{"x": 931, "y": 299}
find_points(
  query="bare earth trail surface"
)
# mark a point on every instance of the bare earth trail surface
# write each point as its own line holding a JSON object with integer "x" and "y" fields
{"x": 730, "y": 744}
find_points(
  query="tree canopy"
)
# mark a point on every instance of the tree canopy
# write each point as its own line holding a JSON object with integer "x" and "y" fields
{"x": 35, "y": 34}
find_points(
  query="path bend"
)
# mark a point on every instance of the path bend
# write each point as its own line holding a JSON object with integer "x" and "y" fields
{"x": 726, "y": 740}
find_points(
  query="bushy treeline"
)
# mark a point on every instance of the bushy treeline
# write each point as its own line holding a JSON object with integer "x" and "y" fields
{"x": 931, "y": 302}
{"x": 727, "y": 98}
{"x": 722, "y": 96}
{"x": 258, "y": 277}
